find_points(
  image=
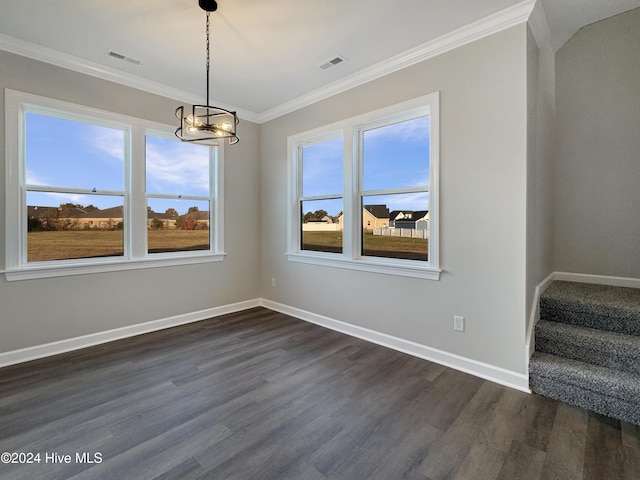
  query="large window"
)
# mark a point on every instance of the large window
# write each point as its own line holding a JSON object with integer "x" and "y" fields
{"x": 89, "y": 191}
{"x": 363, "y": 192}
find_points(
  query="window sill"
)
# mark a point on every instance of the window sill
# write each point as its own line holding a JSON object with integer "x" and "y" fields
{"x": 51, "y": 269}
{"x": 368, "y": 264}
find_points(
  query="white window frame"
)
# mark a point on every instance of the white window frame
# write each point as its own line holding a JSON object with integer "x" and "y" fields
{"x": 324, "y": 137}
{"x": 135, "y": 206}
{"x": 351, "y": 131}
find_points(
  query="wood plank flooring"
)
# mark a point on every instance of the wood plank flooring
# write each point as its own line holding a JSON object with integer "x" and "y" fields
{"x": 260, "y": 395}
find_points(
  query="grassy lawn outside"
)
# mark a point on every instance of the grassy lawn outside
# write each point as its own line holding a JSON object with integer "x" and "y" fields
{"x": 374, "y": 245}
{"x": 68, "y": 244}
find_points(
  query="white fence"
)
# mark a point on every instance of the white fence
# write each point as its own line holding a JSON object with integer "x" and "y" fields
{"x": 320, "y": 227}
{"x": 401, "y": 232}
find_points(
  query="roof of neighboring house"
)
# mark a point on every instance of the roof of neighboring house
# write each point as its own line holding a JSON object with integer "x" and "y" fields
{"x": 394, "y": 214}
{"x": 34, "y": 211}
{"x": 113, "y": 212}
{"x": 412, "y": 215}
{"x": 378, "y": 211}
{"x": 160, "y": 216}
{"x": 197, "y": 215}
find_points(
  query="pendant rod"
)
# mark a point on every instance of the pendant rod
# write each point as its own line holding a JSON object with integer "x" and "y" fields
{"x": 208, "y": 58}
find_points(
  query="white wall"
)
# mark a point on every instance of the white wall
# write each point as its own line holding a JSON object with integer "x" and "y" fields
{"x": 483, "y": 163}
{"x": 40, "y": 311}
{"x": 597, "y": 173}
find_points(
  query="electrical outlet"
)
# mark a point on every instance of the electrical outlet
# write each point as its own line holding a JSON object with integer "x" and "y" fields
{"x": 273, "y": 282}
{"x": 458, "y": 323}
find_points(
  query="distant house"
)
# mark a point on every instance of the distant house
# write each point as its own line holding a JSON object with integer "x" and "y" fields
{"x": 63, "y": 217}
{"x": 110, "y": 218}
{"x": 414, "y": 220}
{"x": 375, "y": 216}
{"x": 39, "y": 217}
{"x": 104, "y": 219}
{"x": 168, "y": 220}
{"x": 399, "y": 215}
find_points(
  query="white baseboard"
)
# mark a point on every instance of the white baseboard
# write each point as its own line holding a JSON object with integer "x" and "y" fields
{"x": 495, "y": 374}
{"x": 62, "y": 346}
{"x": 600, "y": 279}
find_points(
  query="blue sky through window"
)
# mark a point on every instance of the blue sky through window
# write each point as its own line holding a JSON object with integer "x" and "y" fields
{"x": 67, "y": 154}
{"x": 395, "y": 156}
{"x": 176, "y": 168}
{"x": 70, "y": 154}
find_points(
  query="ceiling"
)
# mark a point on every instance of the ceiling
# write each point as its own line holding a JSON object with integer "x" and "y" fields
{"x": 265, "y": 54}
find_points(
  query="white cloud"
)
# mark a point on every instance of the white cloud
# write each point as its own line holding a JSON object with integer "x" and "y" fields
{"x": 415, "y": 131}
{"x": 35, "y": 179}
{"x": 107, "y": 140}
{"x": 177, "y": 168}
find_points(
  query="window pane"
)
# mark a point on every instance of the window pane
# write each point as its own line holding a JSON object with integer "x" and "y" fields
{"x": 64, "y": 226}
{"x": 396, "y": 226}
{"x": 322, "y": 168}
{"x": 322, "y": 225}
{"x": 177, "y": 168}
{"x": 397, "y": 155}
{"x": 65, "y": 153}
{"x": 177, "y": 225}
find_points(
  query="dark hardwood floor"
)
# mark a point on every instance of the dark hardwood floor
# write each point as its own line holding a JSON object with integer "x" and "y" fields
{"x": 260, "y": 395}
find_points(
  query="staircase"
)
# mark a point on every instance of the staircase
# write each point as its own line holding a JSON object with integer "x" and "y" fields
{"x": 587, "y": 345}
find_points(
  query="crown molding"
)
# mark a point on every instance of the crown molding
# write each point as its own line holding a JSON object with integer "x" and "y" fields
{"x": 490, "y": 25}
{"x": 87, "y": 67}
{"x": 485, "y": 27}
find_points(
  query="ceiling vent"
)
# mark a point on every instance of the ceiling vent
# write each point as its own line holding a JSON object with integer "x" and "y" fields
{"x": 332, "y": 62}
{"x": 124, "y": 58}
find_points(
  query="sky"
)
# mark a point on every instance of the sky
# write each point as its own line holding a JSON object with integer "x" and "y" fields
{"x": 69, "y": 154}
{"x": 395, "y": 156}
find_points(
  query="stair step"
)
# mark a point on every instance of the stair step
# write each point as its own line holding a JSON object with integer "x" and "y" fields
{"x": 600, "y": 389}
{"x": 604, "y": 307}
{"x": 598, "y": 347}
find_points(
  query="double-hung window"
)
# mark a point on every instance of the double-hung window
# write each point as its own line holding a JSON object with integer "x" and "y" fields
{"x": 363, "y": 192}
{"x": 90, "y": 191}
{"x": 179, "y": 200}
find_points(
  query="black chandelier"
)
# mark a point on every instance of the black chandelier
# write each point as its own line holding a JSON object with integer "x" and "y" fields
{"x": 207, "y": 125}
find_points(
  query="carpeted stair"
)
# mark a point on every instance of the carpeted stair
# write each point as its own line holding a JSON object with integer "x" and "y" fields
{"x": 587, "y": 344}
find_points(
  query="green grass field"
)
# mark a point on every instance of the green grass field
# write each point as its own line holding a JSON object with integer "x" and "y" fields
{"x": 67, "y": 244}
{"x": 374, "y": 245}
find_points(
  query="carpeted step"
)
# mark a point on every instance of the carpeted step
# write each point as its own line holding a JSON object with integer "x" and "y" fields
{"x": 600, "y": 389}
{"x": 604, "y": 307}
{"x": 599, "y": 347}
